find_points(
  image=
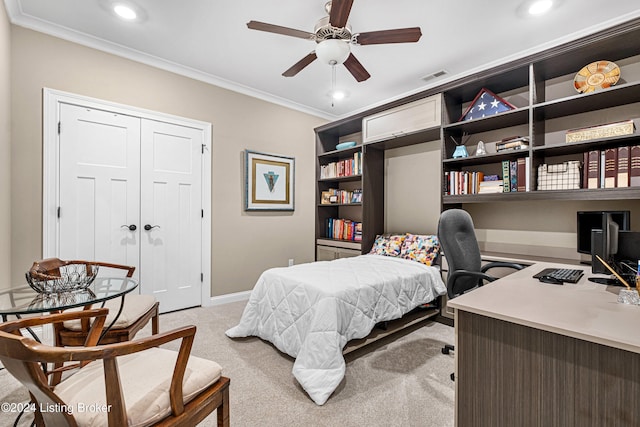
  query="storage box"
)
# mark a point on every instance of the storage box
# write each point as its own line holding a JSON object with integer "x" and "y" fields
{"x": 562, "y": 176}
{"x": 603, "y": 131}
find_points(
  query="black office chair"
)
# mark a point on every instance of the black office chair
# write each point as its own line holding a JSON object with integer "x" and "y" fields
{"x": 464, "y": 264}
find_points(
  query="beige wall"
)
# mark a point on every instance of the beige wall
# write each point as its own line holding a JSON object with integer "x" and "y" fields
{"x": 5, "y": 149}
{"x": 540, "y": 228}
{"x": 244, "y": 244}
{"x": 412, "y": 185}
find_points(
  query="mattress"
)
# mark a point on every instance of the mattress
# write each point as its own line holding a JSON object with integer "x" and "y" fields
{"x": 310, "y": 311}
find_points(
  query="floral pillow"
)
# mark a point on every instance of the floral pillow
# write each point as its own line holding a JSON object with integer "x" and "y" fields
{"x": 388, "y": 244}
{"x": 420, "y": 248}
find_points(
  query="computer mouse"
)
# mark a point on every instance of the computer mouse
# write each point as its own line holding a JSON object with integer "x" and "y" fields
{"x": 550, "y": 279}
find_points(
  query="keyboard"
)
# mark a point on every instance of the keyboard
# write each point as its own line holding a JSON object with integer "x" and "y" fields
{"x": 563, "y": 274}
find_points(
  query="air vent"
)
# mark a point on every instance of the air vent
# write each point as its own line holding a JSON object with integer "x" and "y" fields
{"x": 435, "y": 75}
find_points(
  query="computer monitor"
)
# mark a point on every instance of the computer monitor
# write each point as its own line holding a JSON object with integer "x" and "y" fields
{"x": 605, "y": 248}
{"x": 625, "y": 261}
{"x": 592, "y": 220}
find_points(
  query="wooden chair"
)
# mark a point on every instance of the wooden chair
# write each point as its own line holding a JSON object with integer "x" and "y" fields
{"x": 136, "y": 313}
{"x": 129, "y": 383}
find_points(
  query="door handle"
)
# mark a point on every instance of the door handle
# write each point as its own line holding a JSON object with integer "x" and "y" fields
{"x": 131, "y": 227}
{"x": 149, "y": 226}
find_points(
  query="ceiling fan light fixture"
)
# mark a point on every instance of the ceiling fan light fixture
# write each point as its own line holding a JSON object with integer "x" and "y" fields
{"x": 337, "y": 95}
{"x": 333, "y": 51}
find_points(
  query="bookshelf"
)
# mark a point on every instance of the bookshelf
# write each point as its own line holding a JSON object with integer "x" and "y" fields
{"x": 540, "y": 86}
{"x": 367, "y": 178}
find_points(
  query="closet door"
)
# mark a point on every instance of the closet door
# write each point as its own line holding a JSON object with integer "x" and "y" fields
{"x": 131, "y": 193}
{"x": 99, "y": 206}
{"x": 171, "y": 214}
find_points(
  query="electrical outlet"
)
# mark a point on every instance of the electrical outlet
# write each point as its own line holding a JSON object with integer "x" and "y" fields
{"x": 290, "y": 262}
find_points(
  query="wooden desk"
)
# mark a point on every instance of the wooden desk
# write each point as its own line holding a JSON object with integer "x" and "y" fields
{"x": 536, "y": 354}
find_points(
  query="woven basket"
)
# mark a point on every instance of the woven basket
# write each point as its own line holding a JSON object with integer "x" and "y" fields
{"x": 53, "y": 275}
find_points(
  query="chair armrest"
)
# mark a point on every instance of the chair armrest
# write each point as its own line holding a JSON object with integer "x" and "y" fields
{"x": 503, "y": 264}
{"x": 453, "y": 276}
{"x": 46, "y": 318}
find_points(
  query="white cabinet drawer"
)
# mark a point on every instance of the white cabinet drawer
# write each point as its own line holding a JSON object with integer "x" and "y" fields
{"x": 403, "y": 120}
{"x": 329, "y": 253}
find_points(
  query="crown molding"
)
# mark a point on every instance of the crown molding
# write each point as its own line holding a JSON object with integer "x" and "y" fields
{"x": 17, "y": 17}
{"x": 577, "y": 35}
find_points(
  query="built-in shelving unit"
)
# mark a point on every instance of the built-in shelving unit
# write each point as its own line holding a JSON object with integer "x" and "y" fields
{"x": 547, "y": 106}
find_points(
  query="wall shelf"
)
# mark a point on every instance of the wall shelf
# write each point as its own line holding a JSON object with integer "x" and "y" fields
{"x": 541, "y": 87}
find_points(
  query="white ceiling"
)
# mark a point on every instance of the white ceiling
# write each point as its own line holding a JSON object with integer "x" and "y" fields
{"x": 208, "y": 40}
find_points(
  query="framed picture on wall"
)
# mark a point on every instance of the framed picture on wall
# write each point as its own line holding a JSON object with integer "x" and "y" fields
{"x": 269, "y": 182}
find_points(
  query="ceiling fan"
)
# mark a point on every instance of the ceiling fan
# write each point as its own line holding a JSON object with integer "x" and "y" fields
{"x": 334, "y": 37}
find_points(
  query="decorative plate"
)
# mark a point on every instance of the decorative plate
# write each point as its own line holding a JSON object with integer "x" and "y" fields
{"x": 345, "y": 145}
{"x": 595, "y": 76}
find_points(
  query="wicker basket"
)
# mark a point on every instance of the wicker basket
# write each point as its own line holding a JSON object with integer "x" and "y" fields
{"x": 53, "y": 275}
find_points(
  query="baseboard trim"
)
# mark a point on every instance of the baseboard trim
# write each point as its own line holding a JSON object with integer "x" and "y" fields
{"x": 228, "y": 298}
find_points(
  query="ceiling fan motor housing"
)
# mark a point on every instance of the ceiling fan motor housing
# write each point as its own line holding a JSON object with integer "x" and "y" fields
{"x": 325, "y": 31}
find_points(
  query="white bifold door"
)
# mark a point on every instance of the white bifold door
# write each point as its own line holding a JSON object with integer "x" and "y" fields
{"x": 130, "y": 192}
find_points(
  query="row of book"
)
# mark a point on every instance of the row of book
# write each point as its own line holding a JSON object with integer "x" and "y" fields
{"x": 344, "y": 229}
{"x": 462, "y": 182}
{"x": 346, "y": 167}
{"x": 514, "y": 177}
{"x": 334, "y": 195}
{"x": 612, "y": 167}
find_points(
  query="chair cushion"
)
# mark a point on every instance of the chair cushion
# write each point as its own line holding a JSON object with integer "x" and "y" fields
{"x": 134, "y": 307}
{"x": 146, "y": 380}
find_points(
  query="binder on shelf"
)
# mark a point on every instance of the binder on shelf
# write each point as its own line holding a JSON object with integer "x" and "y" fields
{"x": 593, "y": 169}
{"x": 585, "y": 169}
{"x": 634, "y": 170}
{"x": 522, "y": 174}
{"x": 610, "y": 167}
{"x": 623, "y": 167}
{"x": 601, "y": 169}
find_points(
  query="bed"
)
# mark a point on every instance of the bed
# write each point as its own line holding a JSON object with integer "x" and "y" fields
{"x": 310, "y": 311}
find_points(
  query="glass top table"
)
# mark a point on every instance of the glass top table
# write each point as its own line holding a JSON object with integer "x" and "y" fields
{"x": 21, "y": 300}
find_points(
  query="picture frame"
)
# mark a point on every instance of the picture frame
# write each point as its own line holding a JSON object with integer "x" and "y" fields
{"x": 325, "y": 198}
{"x": 269, "y": 182}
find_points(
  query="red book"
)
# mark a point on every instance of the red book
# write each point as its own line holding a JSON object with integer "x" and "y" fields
{"x": 593, "y": 169}
{"x": 634, "y": 170}
{"x": 623, "y": 167}
{"x": 522, "y": 174}
{"x": 610, "y": 167}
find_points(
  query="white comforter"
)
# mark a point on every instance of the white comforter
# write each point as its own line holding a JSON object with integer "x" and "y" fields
{"x": 310, "y": 311}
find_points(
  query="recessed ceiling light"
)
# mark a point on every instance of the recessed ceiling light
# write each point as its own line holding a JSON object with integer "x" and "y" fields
{"x": 540, "y": 7}
{"x": 125, "y": 12}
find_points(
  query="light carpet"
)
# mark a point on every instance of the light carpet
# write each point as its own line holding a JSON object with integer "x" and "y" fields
{"x": 402, "y": 380}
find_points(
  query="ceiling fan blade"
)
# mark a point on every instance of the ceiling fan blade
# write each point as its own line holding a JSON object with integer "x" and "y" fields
{"x": 356, "y": 69}
{"x": 298, "y": 66}
{"x": 285, "y": 31}
{"x": 340, "y": 10}
{"x": 400, "y": 35}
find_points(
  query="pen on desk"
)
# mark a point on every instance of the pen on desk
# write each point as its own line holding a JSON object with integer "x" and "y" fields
{"x": 624, "y": 282}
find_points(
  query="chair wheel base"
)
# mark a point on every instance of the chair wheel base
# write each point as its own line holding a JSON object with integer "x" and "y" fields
{"x": 447, "y": 349}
